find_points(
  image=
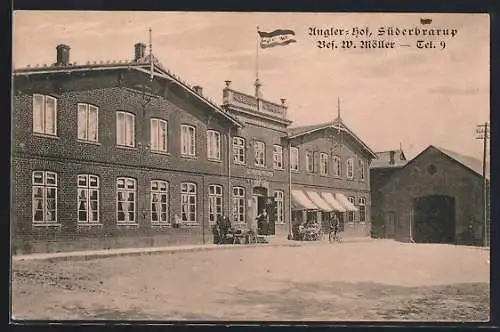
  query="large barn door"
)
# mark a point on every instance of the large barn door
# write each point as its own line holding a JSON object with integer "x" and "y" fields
{"x": 434, "y": 219}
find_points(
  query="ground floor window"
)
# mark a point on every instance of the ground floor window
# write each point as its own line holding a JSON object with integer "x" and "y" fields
{"x": 126, "y": 192}
{"x": 44, "y": 199}
{"x": 350, "y": 214}
{"x": 159, "y": 202}
{"x": 88, "y": 198}
{"x": 362, "y": 210}
{"x": 188, "y": 202}
{"x": 239, "y": 204}
{"x": 214, "y": 203}
{"x": 279, "y": 207}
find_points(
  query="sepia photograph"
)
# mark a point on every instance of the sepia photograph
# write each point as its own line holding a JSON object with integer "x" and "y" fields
{"x": 250, "y": 166}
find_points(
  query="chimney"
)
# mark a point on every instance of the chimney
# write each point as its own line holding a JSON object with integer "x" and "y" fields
{"x": 198, "y": 89}
{"x": 391, "y": 160}
{"x": 140, "y": 51}
{"x": 62, "y": 55}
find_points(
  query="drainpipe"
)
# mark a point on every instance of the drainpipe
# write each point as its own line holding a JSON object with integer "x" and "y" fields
{"x": 203, "y": 209}
{"x": 411, "y": 226}
{"x": 289, "y": 190}
{"x": 229, "y": 162}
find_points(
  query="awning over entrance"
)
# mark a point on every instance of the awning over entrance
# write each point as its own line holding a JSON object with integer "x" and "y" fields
{"x": 301, "y": 202}
{"x": 345, "y": 202}
{"x": 336, "y": 206}
{"x": 317, "y": 200}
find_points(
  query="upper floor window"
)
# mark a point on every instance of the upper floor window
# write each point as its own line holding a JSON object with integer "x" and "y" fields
{"x": 188, "y": 202}
{"x": 159, "y": 202}
{"x": 188, "y": 140}
{"x": 44, "y": 115}
{"x": 277, "y": 157}
{"x": 159, "y": 135}
{"x": 238, "y": 150}
{"x": 362, "y": 170}
{"x": 125, "y": 129}
{"x": 213, "y": 145}
{"x": 323, "y": 163}
{"x": 362, "y": 209}
{"x": 214, "y": 203}
{"x": 88, "y": 198}
{"x": 350, "y": 168}
{"x": 260, "y": 153}
{"x": 309, "y": 161}
{"x": 88, "y": 122}
{"x": 126, "y": 192}
{"x": 337, "y": 166}
{"x": 44, "y": 199}
{"x": 294, "y": 159}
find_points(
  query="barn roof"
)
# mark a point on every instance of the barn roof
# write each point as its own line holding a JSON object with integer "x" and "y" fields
{"x": 471, "y": 163}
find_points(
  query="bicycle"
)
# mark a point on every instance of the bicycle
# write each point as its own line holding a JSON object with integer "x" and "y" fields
{"x": 335, "y": 236}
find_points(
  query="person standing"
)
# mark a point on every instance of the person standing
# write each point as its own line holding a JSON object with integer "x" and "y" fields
{"x": 262, "y": 223}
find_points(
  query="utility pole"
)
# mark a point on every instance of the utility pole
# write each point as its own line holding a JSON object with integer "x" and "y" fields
{"x": 482, "y": 131}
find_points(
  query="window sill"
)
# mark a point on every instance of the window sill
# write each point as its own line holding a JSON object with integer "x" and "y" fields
{"x": 189, "y": 224}
{"x": 127, "y": 225}
{"x": 185, "y": 156}
{"x": 88, "y": 142}
{"x": 46, "y": 224}
{"x": 324, "y": 175}
{"x": 214, "y": 160}
{"x": 164, "y": 153}
{"x": 260, "y": 166}
{"x": 125, "y": 147}
{"x": 239, "y": 163}
{"x": 46, "y": 136}
{"x": 88, "y": 224}
{"x": 279, "y": 169}
{"x": 161, "y": 225}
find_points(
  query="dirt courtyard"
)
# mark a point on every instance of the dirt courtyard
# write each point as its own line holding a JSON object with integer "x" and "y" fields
{"x": 373, "y": 280}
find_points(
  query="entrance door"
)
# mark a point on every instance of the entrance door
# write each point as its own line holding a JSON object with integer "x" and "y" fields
{"x": 390, "y": 224}
{"x": 255, "y": 207}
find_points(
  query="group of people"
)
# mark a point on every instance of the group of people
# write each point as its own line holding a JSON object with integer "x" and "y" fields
{"x": 310, "y": 230}
{"x": 221, "y": 229}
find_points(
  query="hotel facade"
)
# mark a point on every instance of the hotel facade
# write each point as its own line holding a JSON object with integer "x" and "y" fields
{"x": 125, "y": 154}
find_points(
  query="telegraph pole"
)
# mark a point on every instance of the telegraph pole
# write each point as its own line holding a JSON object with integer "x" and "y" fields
{"x": 482, "y": 131}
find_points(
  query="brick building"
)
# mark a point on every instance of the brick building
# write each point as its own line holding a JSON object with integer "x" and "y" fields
{"x": 436, "y": 197}
{"x": 122, "y": 154}
{"x": 381, "y": 170}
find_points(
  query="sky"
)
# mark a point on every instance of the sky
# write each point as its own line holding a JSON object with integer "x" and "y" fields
{"x": 408, "y": 96}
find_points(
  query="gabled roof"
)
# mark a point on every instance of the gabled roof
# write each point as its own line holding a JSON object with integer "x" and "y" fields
{"x": 142, "y": 64}
{"x": 336, "y": 124}
{"x": 472, "y": 164}
{"x": 383, "y": 159}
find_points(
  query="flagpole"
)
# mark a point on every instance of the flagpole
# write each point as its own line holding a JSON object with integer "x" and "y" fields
{"x": 257, "y": 56}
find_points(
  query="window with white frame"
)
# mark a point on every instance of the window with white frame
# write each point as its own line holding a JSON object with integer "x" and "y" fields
{"x": 279, "y": 199}
{"x": 350, "y": 168}
{"x": 362, "y": 170}
{"x": 294, "y": 158}
{"x": 188, "y": 202}
{"x": 350, "y": 214}
{"x": 88, "y": 122}
{"x": 88, "y": 198}
{"x": 188, "y": 140}
{"x": 337, "y": 166}
{"x": 159, "y": 202}
{"x": 239, "y": 204}
{"x": 44, "y": 199}
{"x": 159, "y": 135}
{"x": 214, "y": 203}
{"x": 309, "y": 161}
{"x": 323, "y": 163}
{"x": 126, "y": 192}
{"x": 260, "y": 153}
{"x": 277, "y": 157}
{"x": 125, "y": 129}
{"x": 213, "y": 145}
{"x": 362, "y": 210}
{"x": 44, "y": 115}
{"x": 239, "y": 150}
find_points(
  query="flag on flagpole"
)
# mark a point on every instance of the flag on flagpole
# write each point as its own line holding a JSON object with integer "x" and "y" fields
{"x": 277, "y": 37}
